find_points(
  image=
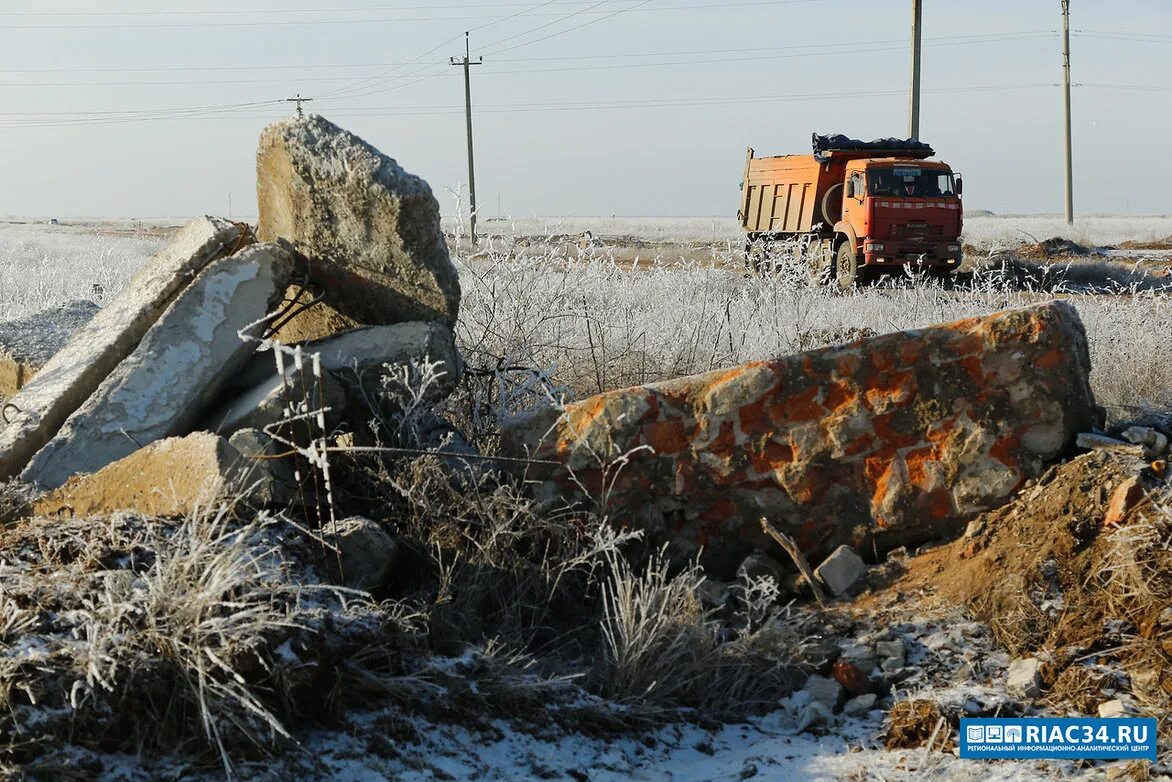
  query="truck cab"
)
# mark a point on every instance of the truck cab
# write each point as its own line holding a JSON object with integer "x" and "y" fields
{"x": 897, "y": 211}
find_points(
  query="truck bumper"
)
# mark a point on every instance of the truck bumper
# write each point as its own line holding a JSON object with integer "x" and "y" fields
{"x": 939, "y": 255}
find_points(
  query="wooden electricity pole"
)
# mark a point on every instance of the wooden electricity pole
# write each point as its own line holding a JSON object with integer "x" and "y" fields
{"x": 1066, "y": 93}
{"x": 914, "y": 108}
{"x": 467, "y": 63}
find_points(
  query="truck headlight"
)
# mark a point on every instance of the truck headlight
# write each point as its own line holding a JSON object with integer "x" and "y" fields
{"x": 953, "y": 248}
{"x": 873, "y": 247}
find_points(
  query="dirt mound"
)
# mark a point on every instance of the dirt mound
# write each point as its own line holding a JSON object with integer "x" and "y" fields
{"x": 1052, "y": 248}
{"x": 1076, "y": 571}
{"x": 1158, "y": 244}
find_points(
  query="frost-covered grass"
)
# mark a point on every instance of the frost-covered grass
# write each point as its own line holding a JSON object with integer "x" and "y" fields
{"x": 982, "y": 232}
{"x": 601, "y": 325}
{"x": 1008, "y": 231}
{"x": 43, "y": 266}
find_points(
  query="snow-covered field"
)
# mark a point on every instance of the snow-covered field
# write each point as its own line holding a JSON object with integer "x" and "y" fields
{"x": 980, "y": 231}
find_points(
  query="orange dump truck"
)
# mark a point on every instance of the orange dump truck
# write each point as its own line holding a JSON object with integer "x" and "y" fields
{"x": 855, "y": 208}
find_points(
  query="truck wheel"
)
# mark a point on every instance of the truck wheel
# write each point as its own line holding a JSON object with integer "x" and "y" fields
{"x": 756, "y": 255}
{"x": 847, "y": 263}
{"x": 832, "y": 205}
{"x": 822, "y": 263}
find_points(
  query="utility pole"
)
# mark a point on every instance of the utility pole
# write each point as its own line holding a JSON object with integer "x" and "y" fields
{"x": 914, "y": 107}
{"x": 1066, "y": 93}
{"x": 298, "y": 100}
{"x": 467, "y": 63}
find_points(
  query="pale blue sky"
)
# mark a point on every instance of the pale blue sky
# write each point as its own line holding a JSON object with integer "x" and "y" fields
{"x": 743, "y": 72}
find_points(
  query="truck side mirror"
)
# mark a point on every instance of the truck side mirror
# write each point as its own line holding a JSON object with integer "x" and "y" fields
{"x": 850, "y": 188}
{"x": 959, "y": 185}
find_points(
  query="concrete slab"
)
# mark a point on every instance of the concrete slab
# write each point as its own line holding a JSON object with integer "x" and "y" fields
{"x": 171, "y": 477}
{"x": 170, "y": 379}
{"x": 67, "y": 380}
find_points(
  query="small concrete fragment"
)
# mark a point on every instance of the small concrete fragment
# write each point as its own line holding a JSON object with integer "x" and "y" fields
{"x": 859, "y": 705}
{"x": 887, "y": 441}
{"x": 370, "y": 230}
{"x": 365, "y": 552}
{"x": 887, "y": 649}
{"x": 171, "y": 477}
{"x": 27, "y": 344}
{"x": 823, "y": 690}
{"x": 1024, "y": 678}
{"x": 169, "y": 380}
{"x": 1113, "y": 709}
{"x": 68, "y": 379}
{"x": 814, "y": 714}
{"x": 841, "y": 571}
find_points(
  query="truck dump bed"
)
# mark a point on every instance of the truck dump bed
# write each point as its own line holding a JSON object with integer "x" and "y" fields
{"x": 784, "y": 194}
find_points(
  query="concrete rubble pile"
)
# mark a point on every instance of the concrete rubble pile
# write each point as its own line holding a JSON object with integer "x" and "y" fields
{"x": 168, "y": 396}
{"x": 164, "y": 399}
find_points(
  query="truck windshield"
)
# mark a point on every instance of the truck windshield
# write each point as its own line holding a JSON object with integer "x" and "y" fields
{"x": 909, "y": 181}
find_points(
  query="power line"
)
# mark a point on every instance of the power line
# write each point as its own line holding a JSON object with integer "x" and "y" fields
{"x": 611, "y": 15}
{"x": 453, "y": 109}
{"x": 267, "y": 11}
{"x": 370, "y": 81}
{"x": 835, "y": 51}
{"x": 943, "y": 40}
{"x": 313, "y": 22}
{"x": 517, "y": 46}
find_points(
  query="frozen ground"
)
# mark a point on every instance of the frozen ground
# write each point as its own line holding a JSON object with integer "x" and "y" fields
{"x": 663, "y": 321}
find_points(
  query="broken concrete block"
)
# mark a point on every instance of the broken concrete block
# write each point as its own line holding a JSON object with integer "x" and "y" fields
{"x": 370, "y": 230}
{"x": 887, "y": 441}
{"x": 1092, "y": 441}
{"x": 69, "y": 378}
{"x": 365, "y": 552}
{"x": 841, "y": 571}
{"x": 268, "y": 403}
{"x": 26, "y": 344}
{"x": 362, "y": 354}
{"x": 166, "y": 384}
{"x": 1154, "y": 442}
{"x": 171, "y": 477}
{"x": 1024, "y": 677}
